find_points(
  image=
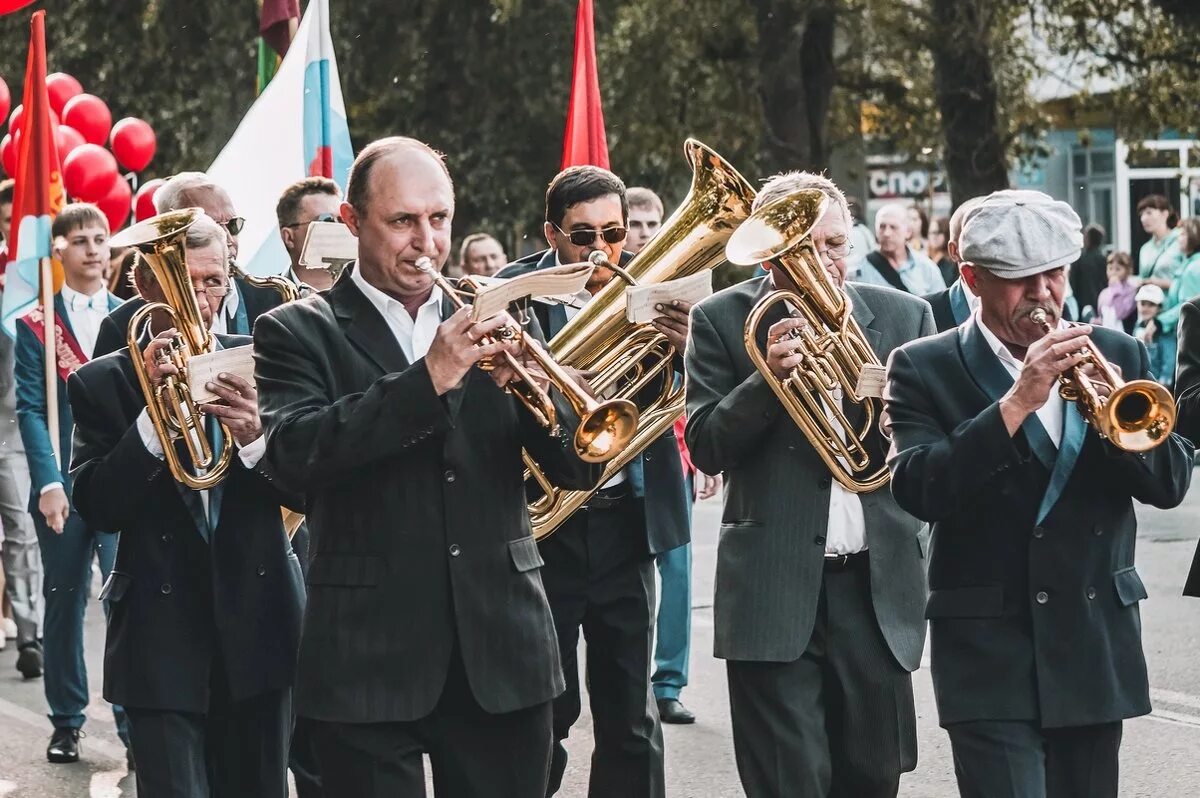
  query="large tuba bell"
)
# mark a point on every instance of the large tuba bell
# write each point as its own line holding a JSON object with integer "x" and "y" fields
{"x": 171, "y": 408}
{"x": 1135, "y": 416}
{"x": 834, "y": 347}
{"x": 626, "y": 358}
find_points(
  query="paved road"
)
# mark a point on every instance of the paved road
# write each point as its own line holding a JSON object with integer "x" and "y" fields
{"x": 1160, "y": 757}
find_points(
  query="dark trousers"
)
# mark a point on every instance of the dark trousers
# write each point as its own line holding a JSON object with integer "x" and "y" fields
{"x": 473, "y": 753}
{"x": 599, "y": 577}
{"x": 1016, "y": 759}
{"x": 301, "y": 759}
{"x": 839, "y": 721}
{"x": 238, "y": 748}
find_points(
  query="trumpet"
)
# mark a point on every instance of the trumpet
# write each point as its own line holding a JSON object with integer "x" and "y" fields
{"x": 605, "y": 428}
{"x": 171, "y": 408}
{"x": 1135, "y": 416}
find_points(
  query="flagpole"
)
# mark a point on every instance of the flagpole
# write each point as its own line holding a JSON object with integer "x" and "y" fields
{"x": 46, "y": 282}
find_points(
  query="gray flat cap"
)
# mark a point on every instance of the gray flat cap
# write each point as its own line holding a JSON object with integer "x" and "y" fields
{"x": 1015, "y": 234}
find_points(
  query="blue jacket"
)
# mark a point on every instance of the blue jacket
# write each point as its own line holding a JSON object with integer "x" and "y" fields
{"x": 31, "y": 409}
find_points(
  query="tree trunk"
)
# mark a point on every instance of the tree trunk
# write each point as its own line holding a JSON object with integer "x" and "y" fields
{"x": 796, "y": 78}
{"x": 965, "y": 88}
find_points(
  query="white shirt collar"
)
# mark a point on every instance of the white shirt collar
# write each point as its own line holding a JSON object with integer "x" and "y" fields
{"x": 98, "y": 300}
{"x": 382, "y": 302}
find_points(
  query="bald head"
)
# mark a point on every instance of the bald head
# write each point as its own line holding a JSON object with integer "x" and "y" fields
{"x": 400, "y": 150}
{"x": 891, "y": 229}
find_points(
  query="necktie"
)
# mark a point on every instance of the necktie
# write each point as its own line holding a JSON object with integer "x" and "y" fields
{"x": 97, "y": 301}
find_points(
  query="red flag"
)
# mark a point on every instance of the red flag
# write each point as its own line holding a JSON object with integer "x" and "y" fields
{"x": 38, "y": 190}
{"x": 278, "y": 23}
{"x": 585, "y": 143}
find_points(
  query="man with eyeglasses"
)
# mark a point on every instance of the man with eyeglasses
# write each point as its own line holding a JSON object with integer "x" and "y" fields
{"x": 206, "y": 595}
{"x": 599, "y": 572}
{"x": 820, "y": 592}
{"x": 313, "y": 199}
{"x": 243, "y": 303}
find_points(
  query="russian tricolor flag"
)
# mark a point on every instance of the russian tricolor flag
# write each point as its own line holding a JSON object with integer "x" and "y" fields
{"x": 296, "y": 128}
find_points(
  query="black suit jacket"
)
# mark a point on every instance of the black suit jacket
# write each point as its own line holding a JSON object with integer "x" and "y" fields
{"x": 112, "y": 333}
{"x": 182, "y": 595}
{"x": 421, "y": 542}
{"x": 656, "y": 475}
{"x": 1187, "y": 398}
{"x": 1033, "y": 602}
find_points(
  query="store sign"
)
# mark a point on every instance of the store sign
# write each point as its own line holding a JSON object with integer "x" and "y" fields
{"x": 896, "y": 183}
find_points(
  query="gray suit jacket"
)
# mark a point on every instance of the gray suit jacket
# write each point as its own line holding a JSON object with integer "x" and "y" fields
{"x": 771, "y": 553}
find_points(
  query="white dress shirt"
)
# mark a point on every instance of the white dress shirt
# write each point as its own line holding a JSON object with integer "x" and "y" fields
{"x": 84, "y": 313}
{"x": 415, "y": 336}
{"x": 223, "y": 320}
{"x": 846, "y": 532}
{"x": 1051, "y": 413}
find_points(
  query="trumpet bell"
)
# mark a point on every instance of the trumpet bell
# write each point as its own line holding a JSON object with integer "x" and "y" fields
{"x": 606, "y": 430}
{"x": 1138, "y": 416}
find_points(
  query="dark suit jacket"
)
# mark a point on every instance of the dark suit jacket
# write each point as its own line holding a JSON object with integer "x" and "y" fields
{"x": 656, "y": 474}
{"x": 29, "y": 372}
{"x": 255, "y": 302}
{"x": 770, "y": 558}
{"x": 950, "y": 306}
{"x": 183, "y": 593}
{"x": 1187, "y": 397}
{"x": 421, "y": 542}
{"x": 1033, "y": 602}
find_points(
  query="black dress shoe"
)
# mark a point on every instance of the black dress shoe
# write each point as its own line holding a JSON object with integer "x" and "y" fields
{"x": 64, "y": 746}
{"x": 671, "y": 711}
{"x": 29, "y": 660}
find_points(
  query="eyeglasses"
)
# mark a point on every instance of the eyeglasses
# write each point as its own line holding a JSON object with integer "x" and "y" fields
{"x": 837, "y": 251}
{"x": 234, "y": 225}
{"x": 324, "y": 217}
{"x": 214, "y": 291}
{"x": 585, "y": 238}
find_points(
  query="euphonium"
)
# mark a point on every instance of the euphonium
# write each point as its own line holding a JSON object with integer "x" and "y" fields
{"x": 1135, "y": 416}
{"x": 605, "y": 427}
{"x": 172, "y": 410}
{"x": 625, "y": 358}
{"x": 833, "y": 345}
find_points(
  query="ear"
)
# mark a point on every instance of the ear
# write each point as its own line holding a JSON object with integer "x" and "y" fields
{"x": 350, "y": 217}
{"x": 952, "y": 251}
{"x": 970, "y": 275}
{"x": 551, "y": 235}
{"x": 288, "y": 235}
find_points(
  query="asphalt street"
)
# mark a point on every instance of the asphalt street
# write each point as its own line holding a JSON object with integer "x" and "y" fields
{"x": 1160, "y": 756}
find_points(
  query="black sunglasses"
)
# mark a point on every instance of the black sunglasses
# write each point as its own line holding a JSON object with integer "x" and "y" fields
{"x": 324, "y": 217}
{"x": 585, "y": 238}
{"x": 235, "y": 225}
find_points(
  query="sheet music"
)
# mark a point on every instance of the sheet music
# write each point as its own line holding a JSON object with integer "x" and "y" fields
{"x": 496, "y": 295}
{"x": 328, "y": 245}
{"x": 640, "y": 300}
{"x": 203, "y": 369}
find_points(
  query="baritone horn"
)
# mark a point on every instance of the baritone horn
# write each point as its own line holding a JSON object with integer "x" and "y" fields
{"x": 627, "y": 358}
{"x": 833, "y": 346}
{"x": 1135, "y": 416}
{"x": 605, "y": 427}
{"x": 172, "y": 410}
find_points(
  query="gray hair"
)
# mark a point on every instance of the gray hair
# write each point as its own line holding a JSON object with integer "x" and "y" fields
{"x": 959, "y": 218}
{"x": 173, "y": 194}
{"x": 785, "y": 183}
{"x": 892, "y": 208}
{"x": 203, "y": 233}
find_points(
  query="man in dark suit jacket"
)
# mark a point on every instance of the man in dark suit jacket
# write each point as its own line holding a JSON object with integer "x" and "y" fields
{"x": 427, "y": 627}
{"x": 1187, "y": 398}
{"x": 819, "y": 591}
{"x": 600, "y": 563}
{"x": 206, "y": 595}
{"x": 1037, "y": 653}
{"x": 954, "y": 304}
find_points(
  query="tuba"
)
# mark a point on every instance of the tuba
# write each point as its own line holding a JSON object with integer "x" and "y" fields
{"x": 171, "y": 407}
{"x": 833, "y": 345}
{"x": 1135, "y": 416}
{"x": 626, "y": 358}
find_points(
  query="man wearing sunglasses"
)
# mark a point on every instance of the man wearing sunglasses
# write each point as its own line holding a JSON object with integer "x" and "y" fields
{"x": 599, "y": 572}
{"x": 241, "y": 306}
{"x": 313, "y": 199}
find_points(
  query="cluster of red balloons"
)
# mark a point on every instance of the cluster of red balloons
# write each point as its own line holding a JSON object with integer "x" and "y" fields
{"x": 82, "y": 126}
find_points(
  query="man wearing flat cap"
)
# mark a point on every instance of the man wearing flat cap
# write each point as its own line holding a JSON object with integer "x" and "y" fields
{"x": 1033, "y": 606}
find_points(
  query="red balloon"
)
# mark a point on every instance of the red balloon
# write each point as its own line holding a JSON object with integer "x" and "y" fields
{"x": 133, "y": 143}
{"x": 89, "y": 115}
{"x": 88, "y": 172}
{"x": 116, "y": 204}
{"x": 17, "y": 121}
{"x": 5, "y": 98}
{"x": 67, "y": 138}
{"x": 61, "y": 87}
{"x": 143, "y": 201}
{"x": 8, "y": 154}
